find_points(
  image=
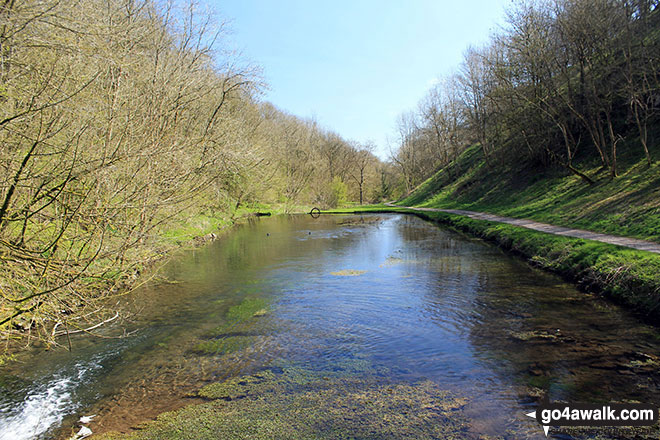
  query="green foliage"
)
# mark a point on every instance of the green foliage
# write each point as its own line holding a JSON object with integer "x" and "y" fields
{"x": 338, "y": 193}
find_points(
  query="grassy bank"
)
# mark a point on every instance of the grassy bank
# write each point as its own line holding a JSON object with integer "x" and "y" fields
{"x": 628, "y": 205}
{"x": 203, "y": 224}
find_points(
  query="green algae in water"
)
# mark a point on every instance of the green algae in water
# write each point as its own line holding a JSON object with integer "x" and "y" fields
{"x": 237, "y": 333}
{"x": 237, "y": 386}
{"x": 300, "y": 404}
{"x": 260, "y": 313}
{"x": 226, "y": 345}
{"x": 348, "y": 273}
{"x": 290, "y": 378}
{"x": 531, "y": 335}
{"x": 248, "y": 308}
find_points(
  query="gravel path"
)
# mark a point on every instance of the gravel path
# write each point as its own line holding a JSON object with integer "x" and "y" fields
{"x": 633, "y": 243}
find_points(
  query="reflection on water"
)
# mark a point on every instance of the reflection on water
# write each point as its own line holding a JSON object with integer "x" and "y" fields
{"x": 407, "y": 297}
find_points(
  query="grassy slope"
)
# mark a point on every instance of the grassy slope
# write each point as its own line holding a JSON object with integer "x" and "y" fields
{"x": 628, "y": 205}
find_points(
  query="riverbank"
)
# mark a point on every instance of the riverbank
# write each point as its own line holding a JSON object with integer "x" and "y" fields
{"x": 111, "y": 276}
{"x": 628, "y": 205}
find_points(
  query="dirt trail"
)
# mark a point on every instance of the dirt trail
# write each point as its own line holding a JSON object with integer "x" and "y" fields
{"x": 632, "y": 243}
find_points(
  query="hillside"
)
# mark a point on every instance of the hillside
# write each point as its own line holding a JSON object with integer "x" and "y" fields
{"x": 628, "y": 205}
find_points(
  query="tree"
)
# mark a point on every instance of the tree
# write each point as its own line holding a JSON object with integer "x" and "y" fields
{"x": 476, "y": 80}
{"x": 362, "y": 157}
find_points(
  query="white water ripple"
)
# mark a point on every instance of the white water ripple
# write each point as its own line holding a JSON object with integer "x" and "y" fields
{"x": 44, "y": 406}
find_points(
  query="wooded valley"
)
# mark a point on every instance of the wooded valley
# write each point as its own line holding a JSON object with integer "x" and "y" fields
{"x": 128, "y": 127}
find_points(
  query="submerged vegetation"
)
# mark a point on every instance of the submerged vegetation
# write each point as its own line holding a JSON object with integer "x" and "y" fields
{"x": 346, "y": 401}
{"x": 348, "y": 273}
{"x": 235, "y": 333}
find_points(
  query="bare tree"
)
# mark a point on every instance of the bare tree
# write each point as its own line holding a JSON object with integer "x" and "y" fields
{"x": 362, "y": 157}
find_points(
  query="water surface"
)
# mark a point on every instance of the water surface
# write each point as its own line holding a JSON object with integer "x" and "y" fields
{"x": 410, "y": 300}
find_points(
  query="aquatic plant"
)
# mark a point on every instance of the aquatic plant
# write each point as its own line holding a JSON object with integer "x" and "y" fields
{"x": 348, "y": 273}
{"x": 224, "y": 346}
{"x": 304, "y": 404}
{"x": 248, "y": 308}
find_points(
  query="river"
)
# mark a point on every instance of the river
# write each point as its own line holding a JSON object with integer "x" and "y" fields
{"x": 395, "y": 294}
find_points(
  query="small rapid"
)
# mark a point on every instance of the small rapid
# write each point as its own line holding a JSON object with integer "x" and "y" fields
{"x": 46, "y": 403}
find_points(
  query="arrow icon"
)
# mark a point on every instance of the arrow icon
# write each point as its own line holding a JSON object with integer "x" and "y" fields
{"x": 546, "y": 428}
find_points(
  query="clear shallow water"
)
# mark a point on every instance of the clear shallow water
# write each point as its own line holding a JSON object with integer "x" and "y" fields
{"x": 430, "y": 304}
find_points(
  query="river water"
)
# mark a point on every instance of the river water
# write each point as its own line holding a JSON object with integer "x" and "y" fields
{"x": 417, "y": 302}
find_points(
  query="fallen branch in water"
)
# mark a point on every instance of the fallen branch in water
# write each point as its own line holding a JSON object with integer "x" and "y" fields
{"x": 55, "y": 333}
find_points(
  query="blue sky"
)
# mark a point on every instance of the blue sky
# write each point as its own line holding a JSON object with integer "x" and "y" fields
{"x": 355, "y": 65}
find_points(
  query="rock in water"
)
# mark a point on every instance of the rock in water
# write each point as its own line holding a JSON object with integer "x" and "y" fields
{"x": 83, "y": 433}
{"x": 86, "y": 419}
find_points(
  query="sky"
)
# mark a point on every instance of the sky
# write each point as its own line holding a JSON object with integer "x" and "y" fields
{"x": 354, "y": 66}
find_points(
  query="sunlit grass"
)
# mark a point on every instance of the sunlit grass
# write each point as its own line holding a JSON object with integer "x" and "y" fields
{"x": 628, "y": 205}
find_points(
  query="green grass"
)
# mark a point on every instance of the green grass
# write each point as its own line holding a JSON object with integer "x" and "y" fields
{"x": 628, "y": 205}
{"x": 196, "y": 226}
